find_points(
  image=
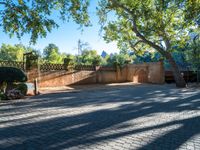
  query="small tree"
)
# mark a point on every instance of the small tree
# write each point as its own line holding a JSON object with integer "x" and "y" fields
{"x": 97, "y": 60}
{"x": 52, "y": 55}
{"x": 89, "y": 57}
{"x": 118, "y": 60}
{"x": 12, "y": 52}
{"x": 69, "y": 61}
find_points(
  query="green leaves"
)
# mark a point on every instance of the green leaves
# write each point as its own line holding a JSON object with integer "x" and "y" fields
{"x": 11, "y": 53}
{"x": 192, "y": 11}
{"x": 157, "y": 21}
{"x": 14, "y": 52}
{"x": 35, "y": 17}
{"x": 119, "y": 60}
{"x": 89, "y": 57}
{"x": 51, "y": 54}
{"x": 193, "y": 52}
{"x": 161, "y": 23}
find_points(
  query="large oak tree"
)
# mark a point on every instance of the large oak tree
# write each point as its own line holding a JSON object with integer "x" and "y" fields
{"x": 159, "y": 24}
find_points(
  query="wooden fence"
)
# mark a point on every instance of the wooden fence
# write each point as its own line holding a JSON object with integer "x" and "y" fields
{"x": 51, "y": 67}
{"x": 57, "y": 67}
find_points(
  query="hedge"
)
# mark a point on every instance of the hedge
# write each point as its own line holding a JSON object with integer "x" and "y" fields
{"x": 11, "y": 74}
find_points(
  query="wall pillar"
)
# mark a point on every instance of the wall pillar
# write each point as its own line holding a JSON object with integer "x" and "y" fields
{"x": 31, "y": 66}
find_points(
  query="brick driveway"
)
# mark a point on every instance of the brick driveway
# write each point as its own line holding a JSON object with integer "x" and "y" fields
{"x": 129, "y": 116}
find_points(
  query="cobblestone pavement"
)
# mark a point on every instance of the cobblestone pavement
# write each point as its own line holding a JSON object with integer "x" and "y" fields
{"x": 116, "y": 117}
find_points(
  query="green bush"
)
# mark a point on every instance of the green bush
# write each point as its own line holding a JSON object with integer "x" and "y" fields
{"x": 23, "y": 88}
{"x": 11, "y": 74}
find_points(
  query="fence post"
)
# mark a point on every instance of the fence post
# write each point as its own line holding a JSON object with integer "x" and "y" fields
{"x": 36, "y": 86}
{"x": 31, "y": 66}
{"x": 66, "y": 62}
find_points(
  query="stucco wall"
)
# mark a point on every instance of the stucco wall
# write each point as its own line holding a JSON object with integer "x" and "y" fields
{"x": 62, "y": 78}
{"x": 137, "y": 73}
{"x": 156, "y": 73}
{"x": 146, "y": 73}
{"x": 106, "y": 76}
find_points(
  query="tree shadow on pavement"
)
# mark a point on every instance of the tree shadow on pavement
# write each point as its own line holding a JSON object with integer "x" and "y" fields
{"x": 91, "y": 127}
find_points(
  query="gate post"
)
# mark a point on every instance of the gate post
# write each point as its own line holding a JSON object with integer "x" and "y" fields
{"x": 31, "y": 66}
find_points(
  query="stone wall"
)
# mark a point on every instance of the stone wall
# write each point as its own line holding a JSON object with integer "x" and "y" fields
{"x": 137, "y": 73}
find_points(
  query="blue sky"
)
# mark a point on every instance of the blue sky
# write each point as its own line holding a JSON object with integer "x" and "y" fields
{"x": 67, "y": 35}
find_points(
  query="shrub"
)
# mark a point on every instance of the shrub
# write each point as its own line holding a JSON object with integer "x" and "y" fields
{"x": 14, "y": 94}
{"x": 11, "y": 74}
{"x": 22, "y": 87}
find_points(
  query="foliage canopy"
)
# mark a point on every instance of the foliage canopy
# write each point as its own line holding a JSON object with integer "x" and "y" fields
{"x": 34, "y": 17}
{"x": 156, "y": 23}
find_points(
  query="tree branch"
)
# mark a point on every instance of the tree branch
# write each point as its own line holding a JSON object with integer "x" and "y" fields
{"x": 135, "y": 30}
{"x": 138, "y": 34}
{"x": 134, "y": 45}
{"x": 116, "y": 3}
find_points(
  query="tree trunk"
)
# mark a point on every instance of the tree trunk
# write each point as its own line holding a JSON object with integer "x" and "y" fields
{"x": 180, "y": 82}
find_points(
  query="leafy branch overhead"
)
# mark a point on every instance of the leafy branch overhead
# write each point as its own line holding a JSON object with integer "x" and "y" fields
{"x": 35, "y": 17}
{"x": 155, "y": 23}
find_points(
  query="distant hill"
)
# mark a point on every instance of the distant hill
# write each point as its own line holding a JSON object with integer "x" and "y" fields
{"x": 103, "y": 54}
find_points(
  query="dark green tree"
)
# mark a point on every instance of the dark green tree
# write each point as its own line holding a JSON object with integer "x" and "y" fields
{"x": 51, "y": 54}
{"x": 15, "y": 52}
{"x": 89, "y": 57}
{"x": 11, "y": 53}
{"x": 118, "y": 60}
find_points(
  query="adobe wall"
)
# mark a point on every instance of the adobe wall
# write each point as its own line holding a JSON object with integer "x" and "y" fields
{"x": 156, "y": 73}
{"x": 137, "y": 73}
{"x": 63, "y": 78}
{"x": 106, "y": 77}
{"x": 152, "y": 72}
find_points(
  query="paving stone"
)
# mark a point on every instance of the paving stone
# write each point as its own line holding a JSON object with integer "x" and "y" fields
{"x": 135, "y": 117}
